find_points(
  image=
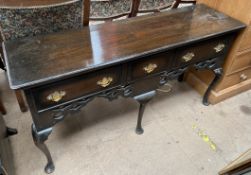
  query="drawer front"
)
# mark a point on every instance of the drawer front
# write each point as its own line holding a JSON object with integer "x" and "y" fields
{"x": 145, "y": 85}
{"x": 233, "y": 79}
{"x": 201, "y": 51}
{"x": 245, "y": 42}
{"x": 73, "y": 88}
{"x": 150, "y": 65}
{"x": 241, "y": 62}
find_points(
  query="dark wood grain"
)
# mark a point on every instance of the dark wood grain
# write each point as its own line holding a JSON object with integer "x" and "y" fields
{"x": 37, "y": 60}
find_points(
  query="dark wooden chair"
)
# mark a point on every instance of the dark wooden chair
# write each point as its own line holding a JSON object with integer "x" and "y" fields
{"x": 26, "y": 18}
{"x": 147, "y": 6}
{"x": 107, "y": 10}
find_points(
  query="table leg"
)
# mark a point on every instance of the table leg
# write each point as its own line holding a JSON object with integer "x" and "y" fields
{"x": 181, "y": 77}
{"x": 218, "y": 73}
{"x": 39, "y": 138}
{"x": 2, "y": 108}
{"x": 20, "y": 100}
{"x": 143, "y": 100}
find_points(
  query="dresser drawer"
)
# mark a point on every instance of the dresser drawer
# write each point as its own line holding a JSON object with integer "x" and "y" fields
{"x": 235, "y": 78}
{"x": 242, "y": 61}
{"x": 150, "y": 65}
{"x": 145, "y": 85}
{"x": 72, "y": 88}
{"x": 201, "y": 51}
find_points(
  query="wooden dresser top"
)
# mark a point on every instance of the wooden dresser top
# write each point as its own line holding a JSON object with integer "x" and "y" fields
{"x": 43, "y": 59}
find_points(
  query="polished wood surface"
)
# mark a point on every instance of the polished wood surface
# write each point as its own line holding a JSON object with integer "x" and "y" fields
{"x": 49, "y": 58}
{"x": 237, "y": 68}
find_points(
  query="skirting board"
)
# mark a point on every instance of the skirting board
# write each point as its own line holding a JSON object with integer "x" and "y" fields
{"x": 216, "y": 97}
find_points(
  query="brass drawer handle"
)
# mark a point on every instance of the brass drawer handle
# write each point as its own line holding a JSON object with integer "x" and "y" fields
{"x": 56, "y": 96}
{"x": 106, "y": 81}
{"x": 188, "y": 57}
{"x": 150, "y": 68}
{"x": 219, "y": 47}
{"x": 243, "y": 77}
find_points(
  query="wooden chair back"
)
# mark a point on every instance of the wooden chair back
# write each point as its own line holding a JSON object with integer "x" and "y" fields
{"x": 107, "y": 10}
{"x": 26, "y": 18}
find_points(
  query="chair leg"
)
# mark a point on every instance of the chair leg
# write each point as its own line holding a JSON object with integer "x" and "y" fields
{"x": 135, "y": 8}
{"x": 21, "y": 101}
{"x": 176, "y": 4}
{"x": 86, "y": 12}
{"x": 2, "y": 108}
{"x": 2, "y": 65}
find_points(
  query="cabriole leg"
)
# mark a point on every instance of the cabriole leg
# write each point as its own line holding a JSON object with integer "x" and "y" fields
{"x": 181, "y": 77}
{"x": 143, "y": 100}
{"x": 218, "y": 73}
{"x": 39, "y": 138}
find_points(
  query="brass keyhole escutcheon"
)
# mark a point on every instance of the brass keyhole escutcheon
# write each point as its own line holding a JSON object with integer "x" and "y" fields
{"x": 219, "y": 47}
{"x": 150, "y": 68}
{"x": 56, "y": 96}
{"x": 105, "y": 82}
{"x": 188, "y": 57}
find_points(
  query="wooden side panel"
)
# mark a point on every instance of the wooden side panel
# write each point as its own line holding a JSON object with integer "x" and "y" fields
{"x": 246, "y": 40}
{"x": 236, "y": 9}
